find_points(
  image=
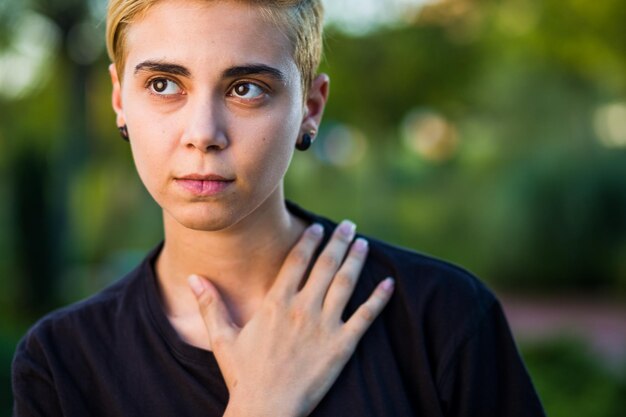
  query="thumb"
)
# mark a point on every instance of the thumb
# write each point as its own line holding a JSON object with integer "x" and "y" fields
{"x": 212, "y": 308}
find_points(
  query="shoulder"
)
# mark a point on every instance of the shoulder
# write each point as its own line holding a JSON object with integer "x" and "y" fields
{"x": 433, "y": 298}
{"x": 426, "y": 287}
{"x": 431, "y": 295}
{"x": 421, "y": 277}
{"x": 97, "y": 316}
{"x": 438, "y": 309}
{"x": 431, "y": 289}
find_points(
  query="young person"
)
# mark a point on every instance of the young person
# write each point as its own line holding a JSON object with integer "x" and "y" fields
{"x": 253, "y": 306}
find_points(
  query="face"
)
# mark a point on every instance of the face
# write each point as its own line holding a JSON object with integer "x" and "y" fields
{"x": 212, "y": 100}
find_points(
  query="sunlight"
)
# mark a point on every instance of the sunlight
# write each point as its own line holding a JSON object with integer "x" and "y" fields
{"x": 24, "y": 65}
{"x": 362, "y": 16}
{"x": 610, "y": 125}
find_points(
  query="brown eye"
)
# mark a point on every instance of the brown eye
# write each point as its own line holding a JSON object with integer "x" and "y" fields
{"x": 248, "y": 91}
{"x": 164, "y": 87}
{"x": 160, "y": 85}
{"x": 242, "y": 89}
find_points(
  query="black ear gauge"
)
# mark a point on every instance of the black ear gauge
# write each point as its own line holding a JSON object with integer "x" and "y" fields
{"x": 123, "y": 132}
{"x": 304, "y": 143}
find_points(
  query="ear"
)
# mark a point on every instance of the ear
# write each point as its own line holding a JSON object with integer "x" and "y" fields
{"x": 116, "y": 96}
{"x": 315, "y": 103}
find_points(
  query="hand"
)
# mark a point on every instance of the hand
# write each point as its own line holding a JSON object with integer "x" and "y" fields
{"x": 287, "y": 356}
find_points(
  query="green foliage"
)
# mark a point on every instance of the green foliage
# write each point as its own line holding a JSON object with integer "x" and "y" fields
{"x": 378, "y": 78}
{"x": 563, "y": 218}
{"x": 530, "y": 196}
{"x": 572, "y": 383}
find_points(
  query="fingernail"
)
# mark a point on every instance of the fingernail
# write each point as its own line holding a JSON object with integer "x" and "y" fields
{"x": 388, "y": 284}
{"x": 360, "y": 245}
{"x": 347, "y": 229}
{"x": 196, "y": 285}
{"x": 316, "y": 229}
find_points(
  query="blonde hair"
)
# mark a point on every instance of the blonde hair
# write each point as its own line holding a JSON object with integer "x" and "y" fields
{"x": 301, "y": 20}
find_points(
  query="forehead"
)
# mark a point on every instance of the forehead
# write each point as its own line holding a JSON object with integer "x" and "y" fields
{"x": 208, "y": 35}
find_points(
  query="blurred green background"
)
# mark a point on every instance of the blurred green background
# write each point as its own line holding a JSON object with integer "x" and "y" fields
{"x": 489, "y": 133}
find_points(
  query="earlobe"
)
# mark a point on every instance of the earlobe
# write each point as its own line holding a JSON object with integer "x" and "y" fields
{"x": 116, "y": 96}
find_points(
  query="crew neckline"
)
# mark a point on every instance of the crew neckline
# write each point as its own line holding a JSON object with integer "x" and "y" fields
{"x": 164, "y": 327}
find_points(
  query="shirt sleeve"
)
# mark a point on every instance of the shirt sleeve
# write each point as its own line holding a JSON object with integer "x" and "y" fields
{"x": 486, "y": 376}
{"x": 34, "y": 393}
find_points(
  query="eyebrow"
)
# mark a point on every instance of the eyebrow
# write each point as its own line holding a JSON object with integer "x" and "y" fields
{"x": 232, "y": 72}
{"x": 156, "y": 66}
{"x": 254, "y": 69}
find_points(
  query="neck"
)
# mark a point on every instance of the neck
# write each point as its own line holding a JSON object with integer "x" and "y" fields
{"x": 241, "y": 261}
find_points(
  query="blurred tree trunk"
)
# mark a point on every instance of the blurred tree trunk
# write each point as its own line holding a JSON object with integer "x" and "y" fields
{"x": 42, "y": 182}
{"x": 35, "y": 243}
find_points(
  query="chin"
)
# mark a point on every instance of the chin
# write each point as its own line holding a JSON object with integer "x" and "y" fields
{"x": 203, "y": 225}
{"x": 217, "y": 214}
{"x": 204, "y": 218}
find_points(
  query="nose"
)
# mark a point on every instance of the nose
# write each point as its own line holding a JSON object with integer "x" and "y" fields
{"x": 205, "y": 127}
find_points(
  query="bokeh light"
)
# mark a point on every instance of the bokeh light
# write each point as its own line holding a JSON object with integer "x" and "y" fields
{"x": 25, "y": 64}
{"x": 430, "y": 135}
{"x": 363, "y": 16}
{"x": 610, "y": 125}
{"x": 342, "y": 146}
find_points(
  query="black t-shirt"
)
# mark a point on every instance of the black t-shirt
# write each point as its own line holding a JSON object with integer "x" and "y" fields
{"x": 441, "y": 347}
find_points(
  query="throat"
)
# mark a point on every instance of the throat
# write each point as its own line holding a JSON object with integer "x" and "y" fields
{"x": 191, "y": 330}
{"x": 242, "y": 266}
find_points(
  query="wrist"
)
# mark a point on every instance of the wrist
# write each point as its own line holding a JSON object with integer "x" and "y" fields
{"x": 249, "y": 406}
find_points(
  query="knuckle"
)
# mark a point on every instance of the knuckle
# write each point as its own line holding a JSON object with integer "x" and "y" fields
{"x": 341, "y": 237}
{"x": 298, "y": 314}
{"x": 329, "y": 262}
{"x": 344, "y": 281}
{"x": 204, "y": 311}
{"x": 274, "y": 303}
{"x": 274, "y": 300}
{"x": 205, "y": 298}
{"x": 342, "y": 350}
{"x": 367, "y": 313}
{"x": 300, "y": 256}
{"x": 354, "y": 331}
{"x": 203, "y": 303}
{"x": 218, "y": 341}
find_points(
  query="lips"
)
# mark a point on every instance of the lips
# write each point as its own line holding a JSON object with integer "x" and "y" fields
{"x": 204, "y": 185}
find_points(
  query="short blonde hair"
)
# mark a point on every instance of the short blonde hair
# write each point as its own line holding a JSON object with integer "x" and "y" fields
{"x": 302, "y": 20}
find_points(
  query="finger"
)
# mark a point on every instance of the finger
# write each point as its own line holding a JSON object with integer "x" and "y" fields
{"x": 342, "y": 286}
{"x": 328, "y": 263}
{"x": 363, "y": 317}
{"x": 216, "y": 317}
{"x": 297, "y": 262}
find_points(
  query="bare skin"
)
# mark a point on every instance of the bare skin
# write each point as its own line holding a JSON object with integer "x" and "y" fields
{"x": 293, "y": 330}
{"x": 196, "y": 104}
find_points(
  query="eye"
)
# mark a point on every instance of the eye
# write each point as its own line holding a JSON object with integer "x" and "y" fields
{"x": 247, "y": 91}
{"x": 164, "y": 87}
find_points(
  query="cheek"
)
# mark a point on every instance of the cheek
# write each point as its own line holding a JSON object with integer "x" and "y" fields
{"x": 272, "y": 145}
{"x": 143, "y": 164}
{"x": 149, "y": 146}
{"x": 150, "y": 160}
